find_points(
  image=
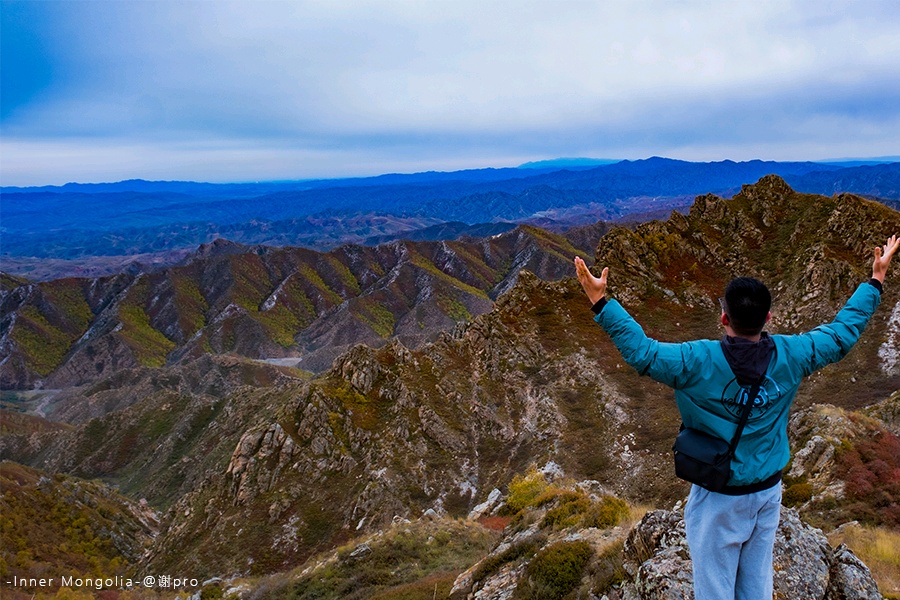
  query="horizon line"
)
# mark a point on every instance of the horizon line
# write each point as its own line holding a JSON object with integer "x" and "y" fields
{"x": 580, "y": 163}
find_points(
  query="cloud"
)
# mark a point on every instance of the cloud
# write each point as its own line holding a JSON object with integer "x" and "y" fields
{"x": 335, "y": 86}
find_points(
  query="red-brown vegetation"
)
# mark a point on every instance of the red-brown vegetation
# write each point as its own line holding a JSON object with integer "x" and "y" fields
{"x": 871, "y": 468}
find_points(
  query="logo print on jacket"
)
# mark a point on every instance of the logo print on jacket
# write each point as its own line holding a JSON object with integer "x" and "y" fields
{"x": 734, "y": 396}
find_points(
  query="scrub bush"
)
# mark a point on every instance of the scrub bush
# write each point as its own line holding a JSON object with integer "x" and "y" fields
{"x": 555, "y": 571}
{"x": 797, "y": 493}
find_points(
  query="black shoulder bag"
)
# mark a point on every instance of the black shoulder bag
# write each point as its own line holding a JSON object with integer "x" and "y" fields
{"x": 706, "y": 459}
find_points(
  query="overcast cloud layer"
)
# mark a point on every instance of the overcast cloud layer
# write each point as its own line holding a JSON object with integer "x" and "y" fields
{"x": 238, "y": 91}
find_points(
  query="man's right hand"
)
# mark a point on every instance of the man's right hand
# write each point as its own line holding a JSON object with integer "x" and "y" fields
{"x": 594, "y": 287}
{"x": 882, "y": 258}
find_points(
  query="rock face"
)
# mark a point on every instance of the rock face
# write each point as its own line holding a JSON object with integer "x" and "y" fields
{"x": 824, "y": 428}
{"x": 850, "y": 578}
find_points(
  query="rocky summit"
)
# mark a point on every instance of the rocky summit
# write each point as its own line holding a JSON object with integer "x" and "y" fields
{"x": 260, "y": 472}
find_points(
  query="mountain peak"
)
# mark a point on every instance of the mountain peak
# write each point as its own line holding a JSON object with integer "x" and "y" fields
{"x": 220, "y": 247}
{"x": 770, "y": 186}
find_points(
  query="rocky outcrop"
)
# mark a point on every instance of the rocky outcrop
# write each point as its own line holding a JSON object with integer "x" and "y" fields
{"x": 849, "y": 578}
{"x": 889, "y": 352}
{"x": 273, "y": 447}
{"x": 819, "y": 433}
{"x": 805, "y": 566}
{"x": 487, "y": 506}
{"x": 887, "y": 412}
{"x": 655, "y": 558}
{"x": 658, "y": 562}
{"x": 820, "y": 430}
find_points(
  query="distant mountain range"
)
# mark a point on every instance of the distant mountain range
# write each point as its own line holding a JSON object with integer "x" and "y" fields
{"x": 142, "y": 217}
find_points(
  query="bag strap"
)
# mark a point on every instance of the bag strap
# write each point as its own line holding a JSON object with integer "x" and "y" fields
{"x": 745, "y": 414}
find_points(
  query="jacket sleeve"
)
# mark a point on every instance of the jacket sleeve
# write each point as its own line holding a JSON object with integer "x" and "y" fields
{"x": 831, "y": 342}
{"x": 668, "y": 363}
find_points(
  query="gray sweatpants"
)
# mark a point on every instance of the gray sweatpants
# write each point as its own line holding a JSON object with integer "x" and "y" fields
{"x": 731, "y": 540}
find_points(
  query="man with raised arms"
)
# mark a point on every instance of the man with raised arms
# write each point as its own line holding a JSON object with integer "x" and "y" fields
{"x": 731, "y": 533}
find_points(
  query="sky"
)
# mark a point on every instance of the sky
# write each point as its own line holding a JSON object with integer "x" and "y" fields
{"x": 95, "y": 90}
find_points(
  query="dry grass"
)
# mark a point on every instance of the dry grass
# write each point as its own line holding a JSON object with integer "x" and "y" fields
{"x": 879, "y": 548}
{"x": 412, "y": 561}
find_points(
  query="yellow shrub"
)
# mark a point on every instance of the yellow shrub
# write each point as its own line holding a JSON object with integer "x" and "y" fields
{"x": 523, "y": 491}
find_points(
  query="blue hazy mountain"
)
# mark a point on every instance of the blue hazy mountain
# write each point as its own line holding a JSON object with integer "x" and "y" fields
{"x": 136, "y": 216}
{"x": 568, "y": 163}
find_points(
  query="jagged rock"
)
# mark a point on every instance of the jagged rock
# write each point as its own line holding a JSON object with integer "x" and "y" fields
{"x": 826, "y": 429}
{"x": 257, "y": 461}
{"x": 659, "y": 529}
{"x": 813, "y": 458}
{"x": 243, "y": 454}
{"x": 501, "y": 585}
{"x": 708, "y": 207}
{"x": 769, "y": 188}
{"x": 666, "y": 576}
{"x": 359, "y": 367}
{"x": 487, "y": 506}
{"x": 850, "y": 578}
{"x": 889, "y": 352}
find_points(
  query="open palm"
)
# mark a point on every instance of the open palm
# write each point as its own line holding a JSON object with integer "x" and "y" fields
{"x": 883, "y": 257}
{"x": 594, "y": 287}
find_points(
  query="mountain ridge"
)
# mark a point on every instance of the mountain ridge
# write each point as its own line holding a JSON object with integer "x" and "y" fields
{"x": 261, "y": 302}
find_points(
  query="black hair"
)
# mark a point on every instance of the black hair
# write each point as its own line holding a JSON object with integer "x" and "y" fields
{"x": 747, "y": 303}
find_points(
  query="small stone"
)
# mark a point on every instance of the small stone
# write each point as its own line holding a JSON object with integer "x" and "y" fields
{"x": 359, "y": 552}
{"x": 431, "y": 515}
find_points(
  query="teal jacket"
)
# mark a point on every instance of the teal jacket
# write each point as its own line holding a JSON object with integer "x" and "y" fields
{"x": 706, "y": 389}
